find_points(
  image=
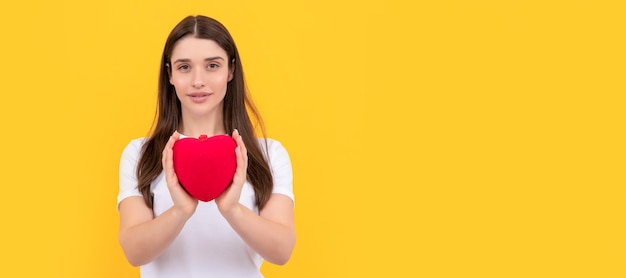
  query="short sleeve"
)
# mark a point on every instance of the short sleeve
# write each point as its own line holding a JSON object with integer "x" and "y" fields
{"x": 281, "y": 169}
{"x": 128, "y": 166}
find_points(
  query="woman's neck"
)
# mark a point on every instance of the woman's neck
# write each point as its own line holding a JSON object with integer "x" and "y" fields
{"x": 209, "y": 125}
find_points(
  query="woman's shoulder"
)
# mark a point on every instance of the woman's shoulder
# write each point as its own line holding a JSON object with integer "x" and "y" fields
{"x": 137, "y": 142}
{"x": 272, "y": 144}
{"x": 135, "y": 145}
{"x": 273, "y": 148}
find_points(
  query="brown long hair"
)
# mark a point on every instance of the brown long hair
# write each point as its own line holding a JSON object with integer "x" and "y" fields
{"x": 235, "y": 114}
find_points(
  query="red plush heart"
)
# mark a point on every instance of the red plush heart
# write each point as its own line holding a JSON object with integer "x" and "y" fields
{"x": 205, "y": 166}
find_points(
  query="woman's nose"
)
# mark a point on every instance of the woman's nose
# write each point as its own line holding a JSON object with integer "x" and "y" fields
{"x": 197, "y": 80}
{"x": 198, "y": 84}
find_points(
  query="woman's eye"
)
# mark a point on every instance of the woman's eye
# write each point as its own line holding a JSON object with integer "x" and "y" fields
{"x": 213, "y": 66}
{"x": 183, "y": 67}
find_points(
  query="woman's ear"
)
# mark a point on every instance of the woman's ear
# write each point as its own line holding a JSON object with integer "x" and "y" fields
{"x": 169, "y": 72}
{"x": 231, "y": 70}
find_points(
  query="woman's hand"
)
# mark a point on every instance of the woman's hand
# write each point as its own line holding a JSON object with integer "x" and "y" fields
{"x": 228, "y": 201}
{"x": 184, "y": 204}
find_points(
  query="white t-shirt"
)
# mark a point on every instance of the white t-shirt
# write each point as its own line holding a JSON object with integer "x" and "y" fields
{"x": 207, "y": 246}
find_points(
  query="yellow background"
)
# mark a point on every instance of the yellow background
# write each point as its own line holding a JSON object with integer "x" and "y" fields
{"x": 432, "y": 139}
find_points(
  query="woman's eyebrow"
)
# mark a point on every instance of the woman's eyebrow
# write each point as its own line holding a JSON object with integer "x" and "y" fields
{"x": 185, "y": 60}
{"x": 181, "y": 61}
{"x": 214, "y": 58}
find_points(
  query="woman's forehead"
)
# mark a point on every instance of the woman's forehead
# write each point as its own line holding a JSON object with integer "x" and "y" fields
{"x": 194, "y": 48}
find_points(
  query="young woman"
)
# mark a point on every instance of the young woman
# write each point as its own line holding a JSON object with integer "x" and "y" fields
{"x": 162, "y": 228}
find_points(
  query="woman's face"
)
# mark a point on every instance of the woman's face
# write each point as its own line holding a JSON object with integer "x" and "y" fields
{"x": 200, "y": 74}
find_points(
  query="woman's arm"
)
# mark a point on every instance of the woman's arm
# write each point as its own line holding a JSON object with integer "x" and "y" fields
{"x": 271, "y": 233}
{"x": 144, "y": 237}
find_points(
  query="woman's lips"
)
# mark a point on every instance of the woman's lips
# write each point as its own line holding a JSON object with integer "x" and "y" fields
{"x": 199, "y": 97}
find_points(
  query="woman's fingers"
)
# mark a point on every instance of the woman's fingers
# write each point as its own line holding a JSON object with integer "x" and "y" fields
{"x": 167, "y": 159}
{"x": 182, "y": 201}
{"x": 243, "y": 150}
{"x": 242, "y": 159}
{"x": 167, "y": 153}
{"x": 240, "y": 144}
